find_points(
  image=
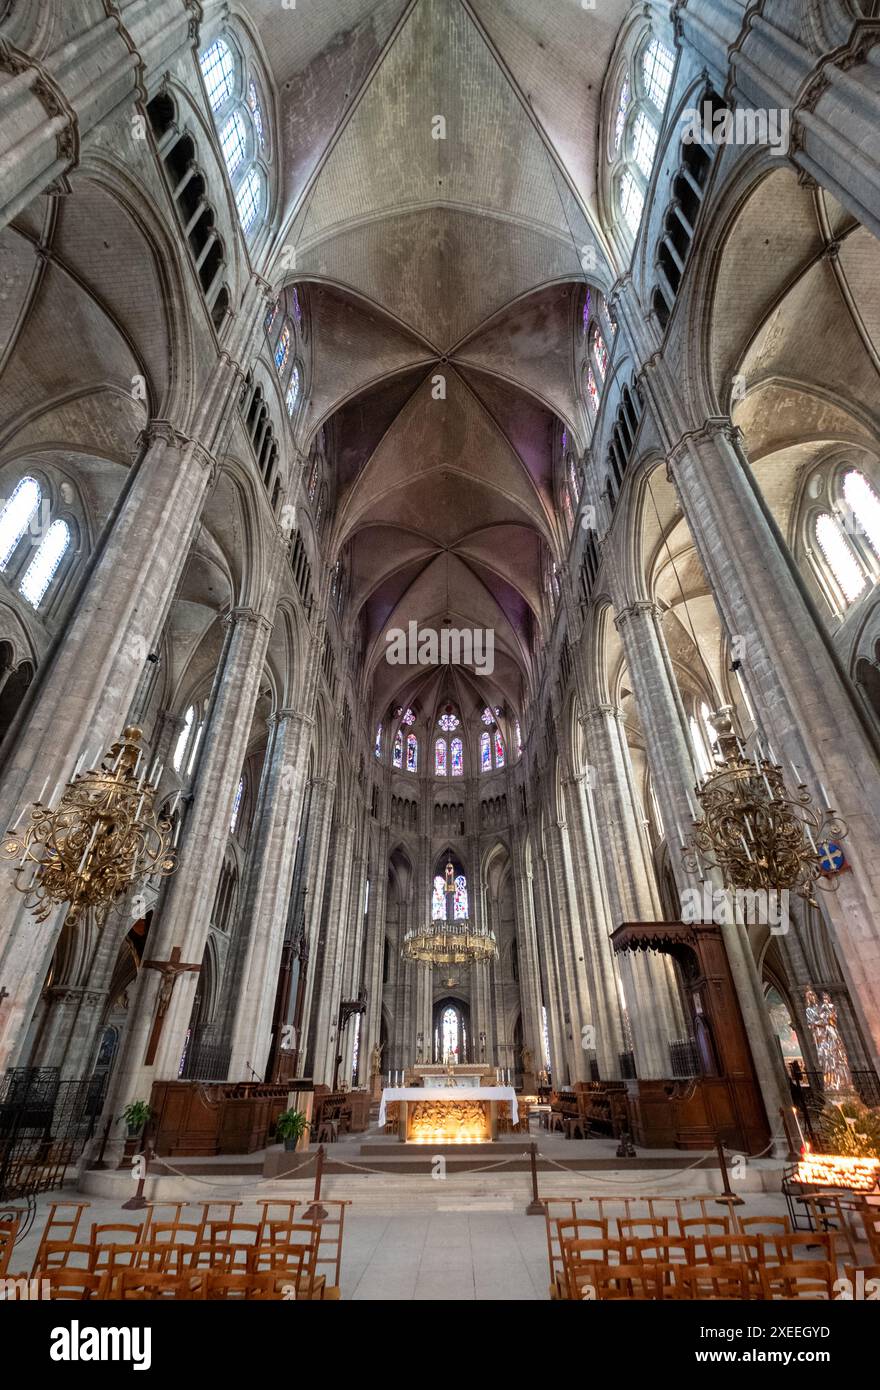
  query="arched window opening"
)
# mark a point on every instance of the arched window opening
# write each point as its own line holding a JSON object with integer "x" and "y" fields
{"x": 236, "y": 806}
{"x": 698, "y": 743}
{"x": 864, "y": 506}
{"x": 840, "y": 557}
{"x": 460, "y": 899}
{"x": 239, "y": 118}
{"x": 218, "y": 71}
{"x": 518, "y": 736}
{"x": 248, "y": 199}
{"x": 282, "y": 348}
{"x": 438, "y": 899}
{"x": 638, "y": 117}
{"x": 183, "y": 739}
{"x": 440, "y": 758}
{"x": 293, "y": 388}
{"x": 485, "y": 753}
{"x": 233, "y": 142}
{"x": 600, "y": 352}
{"x": 44, "y": 566}
{"x": 16, "y": 516}
{"x": 449, "y": 1035}
{"x": 397, "y": 755}
{"x": 412, "y": 753}
{"x": 255, "y": 106}
{"x": 592, "y": 391}
{"x": 499, "y": 749}
{"x": 457, "y": 757}
{"x": 378, "y": 748}
{"x": 657, "y": 66}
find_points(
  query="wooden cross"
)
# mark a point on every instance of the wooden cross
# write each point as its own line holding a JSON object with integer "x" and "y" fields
{"x": 169, "y": 969}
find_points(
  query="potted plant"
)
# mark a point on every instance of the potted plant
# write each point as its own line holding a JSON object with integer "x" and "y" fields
{"x": 290, "y": 1126}
{"x": 136, "y": 1116}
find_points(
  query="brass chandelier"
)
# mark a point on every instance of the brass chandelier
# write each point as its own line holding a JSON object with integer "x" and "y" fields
{"x": 447, "y": 941}
{"x": 754, "y": 831}
{"x": 100, "y": 839}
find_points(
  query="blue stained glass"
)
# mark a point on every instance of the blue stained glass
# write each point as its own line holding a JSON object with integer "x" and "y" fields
{"x": 412, "y": 753}
{"x": 235, "y": 806}
{"x": 379, "y": 741}
{"x": 438, "y": 900}
{"x": 460, "y": 897}
{"x": 485, "y": 753}
{"x": 457, "y": 757}
{"x": 499, "y": 749}
{"x": 397, "y": 757}
{"x": 408, "y": 717}
{"x": 440, "y": 758}
{"x": 270, "y": 316}
{"x": 282, "y": 348}
{"x": 297, "y": 307}
{"x": 292, "y": 397}
{"x": 447, "y": 723}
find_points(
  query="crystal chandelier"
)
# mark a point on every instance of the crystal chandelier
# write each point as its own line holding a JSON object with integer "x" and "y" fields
{"x": 99, "y": 841}
{"x": 446, "y": 941}
{"x": 754, "y": 831}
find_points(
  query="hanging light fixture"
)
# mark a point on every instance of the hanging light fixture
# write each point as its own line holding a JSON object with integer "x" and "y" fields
{"x": 99, "y": 840}
{"x": 449, "y": 941}
{"x": 759, "y": 835}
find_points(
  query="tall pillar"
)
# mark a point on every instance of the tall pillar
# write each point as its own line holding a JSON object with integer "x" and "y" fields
{"x": 530, "y": 989}
{"x": 184, "y": 919}
{"x": 331, "y": 956}
{"x": 83, "y": 695}
{"x": 808, "y": 709}
{"x": 323, "y": 797}
{"x": 268, "y": 892}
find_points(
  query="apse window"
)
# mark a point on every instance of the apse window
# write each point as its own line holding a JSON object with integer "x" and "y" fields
{"x": 638, "y": 120}
{"x": 840, "y": 557}
{"x": 16, "y": 517}
{"x": 240, "y": 122}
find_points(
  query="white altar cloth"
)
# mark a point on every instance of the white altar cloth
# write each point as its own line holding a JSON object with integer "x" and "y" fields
{"x": 410, "y": 1093}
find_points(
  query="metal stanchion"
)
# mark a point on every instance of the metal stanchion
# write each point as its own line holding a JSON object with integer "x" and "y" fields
{"x": 728, "y": 1197}
{"x": 536, "y": 1206}
{"x": 316, "y": 1212}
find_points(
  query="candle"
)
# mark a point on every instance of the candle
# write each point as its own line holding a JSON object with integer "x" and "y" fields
{"x": 825, "y": 799}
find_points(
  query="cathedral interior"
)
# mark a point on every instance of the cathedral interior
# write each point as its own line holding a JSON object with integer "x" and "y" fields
{"x": 439, "y": 589}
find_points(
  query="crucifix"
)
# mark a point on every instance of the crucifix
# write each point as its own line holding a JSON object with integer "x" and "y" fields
{"x": 169, "y": 969}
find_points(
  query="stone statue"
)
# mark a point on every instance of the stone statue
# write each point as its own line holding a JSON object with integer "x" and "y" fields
{"x": 527, "y": 1059}
{"x": 376, "y": 1059}
{"x": 822, "y": 1018}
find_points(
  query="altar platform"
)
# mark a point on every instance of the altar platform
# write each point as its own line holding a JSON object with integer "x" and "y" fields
{"x": 452, "y": 1114}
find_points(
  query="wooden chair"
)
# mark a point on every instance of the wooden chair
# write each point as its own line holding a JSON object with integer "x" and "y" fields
{"x": 697, "y": 1228}
{"x": 62, "y": 1224}
{"x": 173, "y": 1232}
{"x": 213, "y": 1212}
{"x": 8, "y": 1234}
{"x": 286, "y": 1212}
{"x": 631, "y": 1281}
{"x": 61, "y": 1254}
{"x": 826, "y": 1213}
{"x": 295, "y": 1258}
{"x": 871, "y": 1221}
{"x": 151, "y": 1285}
{"x": 718, "y": 1280}
{"x": 153, "y": 1207}
{"x": 641, "y": 1228}
{"x": 221, "y": 1284}
{"x": 107, "y": 1235}
{"x": 554, "y": 1250}
{"x": 330, "y": 1236}
{"x": 864, "y": 1283}
{"x": 764, "y": 1225}
{"x": 799, "y": 1279}
{"x": 159, "y": 1257}
{"x": 69, "y": 1282}
{"x": 581, "y": 1259}
{"x": 809, "y": 1246}
{"x": 665, "y": 1249}
{"x": 738, "y": 1248}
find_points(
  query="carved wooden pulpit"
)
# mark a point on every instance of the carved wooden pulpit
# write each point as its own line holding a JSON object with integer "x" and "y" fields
{"x": 724, "y": 1101}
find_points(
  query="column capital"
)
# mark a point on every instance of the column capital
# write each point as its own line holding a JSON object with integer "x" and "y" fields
{"x": 164, "y": 432}
{"x": 707, "y": 433}
{"x": 247, "y": 617}
{"x": 642, "y": 608}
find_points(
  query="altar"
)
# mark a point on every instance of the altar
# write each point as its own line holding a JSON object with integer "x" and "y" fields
{"x": 448, "y": 1114}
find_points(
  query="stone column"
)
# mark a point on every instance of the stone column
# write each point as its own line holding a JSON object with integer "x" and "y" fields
{"x": 323, "y": 796}
{"x": 553, "y": 995}
{"x": 84, "y": 693}
{"x": 530, "y": 990}
{"x": 268, "y": 893}
{"x": 333, "y": 927}
{"x": 573, "y": 974}
{"x": 374, "y": 955}
{"x": 184, "y": 919}
{"x": 653, "y": 1005}
{"x": 807, "y": 706}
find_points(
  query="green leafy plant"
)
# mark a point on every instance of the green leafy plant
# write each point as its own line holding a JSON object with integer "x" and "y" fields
{"x": 291, "y": 1125}
{"x": 136, "y": 1115}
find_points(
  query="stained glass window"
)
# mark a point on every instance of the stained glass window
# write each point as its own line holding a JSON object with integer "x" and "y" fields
{"x": 218, "y": 71}
{"x": 485, "y": 753}
{"x": 270, "y": 316}
{"x": 41, "y": 570}
{"x": 16, "y": 517}
{"x": 487, "y": 716}
{"x": 644, "y": 143}
{"x": 865, "y": 506}
{"x": 183, "y": 738}
{"x": 600, "y": 352}
{"x": 438, "y": 899}
{"x": 248, "y": 199}
{"x": 657, "y": 65}
{"x": 449, "y": 1035}
{"x": 574, "y": 479}
{"x": 592, "y": 391}
{"x": 235, "y": 806}
{"x": 607, "y": 314}
{"x": 297, "y": 307}
{"x": 460, "y": 898}
{"x": 840, "y": 556}
{"x": 256, "y": 110}
{"x": 282, "y": 348}
{"x": 499, "y": 749}
{"x": 456, "y": 753}
{"x": 518, "y": 734}
{"x": 293, "y": 386}
{"x": 412, "y": 753}
{"x": 378, "y": 740}
{"x": 408, "y": 717}
{"x": 622, "y": 108}
{"x": 447, "y": 723}
{"x": 632, "y": 200}
{"x": 440, "y": 758}
{"x": 586, "y": 315}
{"x": 397, "y": 756}
{"x": 233, "y": 142}
{"x": 313, "y": 480}
{"x": 564, "y": 442}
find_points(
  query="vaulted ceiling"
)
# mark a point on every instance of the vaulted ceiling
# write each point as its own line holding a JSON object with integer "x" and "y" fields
{"x": 439, "y": 179}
